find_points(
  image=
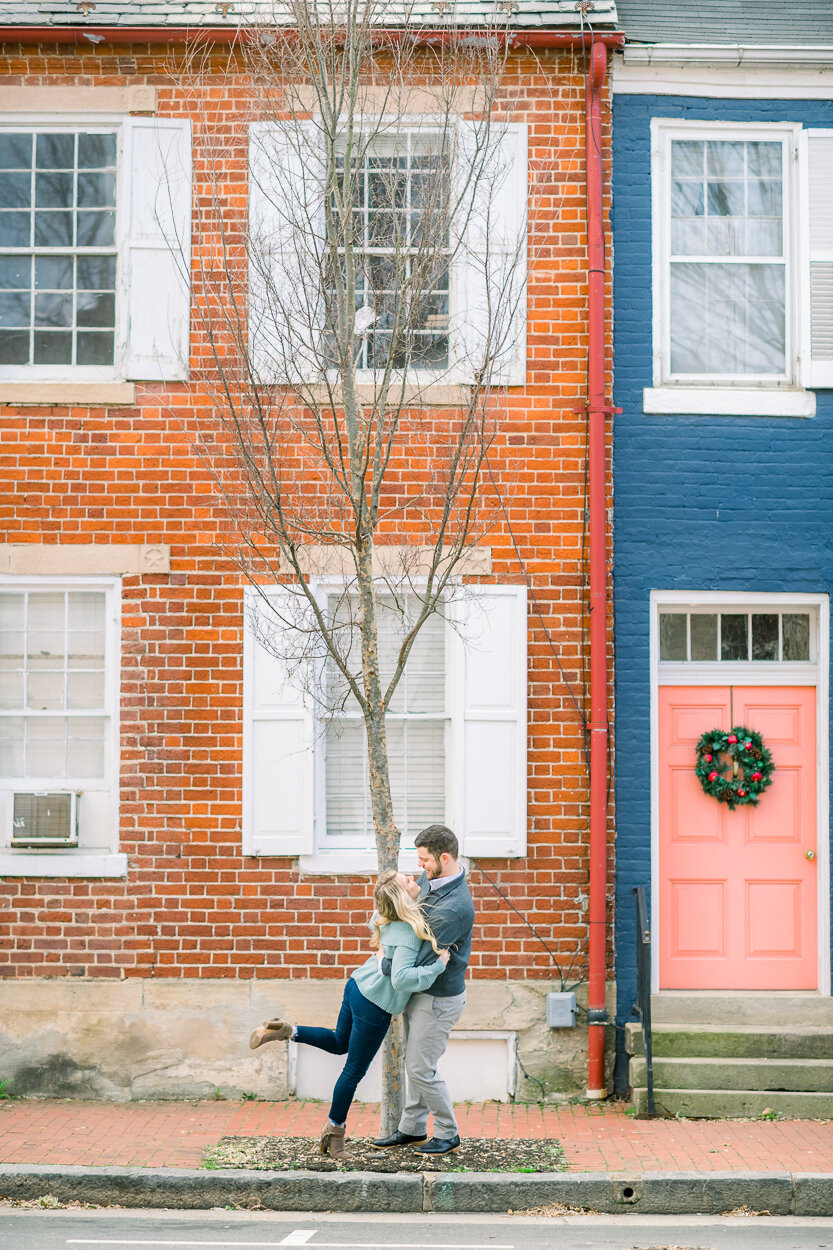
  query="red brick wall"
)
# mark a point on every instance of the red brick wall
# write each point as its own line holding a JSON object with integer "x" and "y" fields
{"x": 192, "y": 904}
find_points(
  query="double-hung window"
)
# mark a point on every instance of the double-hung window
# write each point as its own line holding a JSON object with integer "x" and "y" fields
{"x": 456, "y": 730}
{"x": 727, "y": 260}
{"x": 58, "y": 252}
{"x": 737, "y": 327}
{"x": 58, "y": 727}
{"x": 396, "y": 186}
{"x": 416, "y": 728}
{"x": 94, "y": 249}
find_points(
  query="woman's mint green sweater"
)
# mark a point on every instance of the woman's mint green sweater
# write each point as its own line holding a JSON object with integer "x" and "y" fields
{"x": 401, "y": 946}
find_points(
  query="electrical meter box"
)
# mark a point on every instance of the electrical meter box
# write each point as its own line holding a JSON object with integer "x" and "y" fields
{"x": 561, "y": 1010}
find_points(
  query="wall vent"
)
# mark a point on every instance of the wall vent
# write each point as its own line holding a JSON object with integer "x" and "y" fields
{"x": 42, "y": 819}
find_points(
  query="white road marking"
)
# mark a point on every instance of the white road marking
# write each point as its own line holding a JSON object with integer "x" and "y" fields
{"x": 298, "y": 1237}
{"x": 319, "y": 1245}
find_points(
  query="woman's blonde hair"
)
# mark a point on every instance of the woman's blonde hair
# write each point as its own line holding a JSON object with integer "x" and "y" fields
{"x": 393, "y": 902}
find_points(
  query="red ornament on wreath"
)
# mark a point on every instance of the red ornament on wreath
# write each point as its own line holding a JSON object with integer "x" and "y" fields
{"x": 734, "y": 767}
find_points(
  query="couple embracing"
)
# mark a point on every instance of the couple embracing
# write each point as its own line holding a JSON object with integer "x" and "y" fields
{"x": 422, "y": 937}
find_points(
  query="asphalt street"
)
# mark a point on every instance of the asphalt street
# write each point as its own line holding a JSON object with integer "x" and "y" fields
{"x": 22, "y": 1229}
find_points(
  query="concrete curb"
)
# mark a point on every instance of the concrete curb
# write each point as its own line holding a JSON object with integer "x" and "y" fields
{"x": 645, "y": 1193}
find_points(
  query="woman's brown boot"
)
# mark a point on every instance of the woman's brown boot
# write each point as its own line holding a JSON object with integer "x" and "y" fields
{"x": 271, "y": 1031}
{"x": 332, "y": 1142}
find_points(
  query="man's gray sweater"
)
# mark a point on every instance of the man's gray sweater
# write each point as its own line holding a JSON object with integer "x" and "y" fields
{"x": 450, "y": 913}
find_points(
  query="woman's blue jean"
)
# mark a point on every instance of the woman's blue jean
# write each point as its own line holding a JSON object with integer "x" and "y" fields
{"x": 359, "y": 1032}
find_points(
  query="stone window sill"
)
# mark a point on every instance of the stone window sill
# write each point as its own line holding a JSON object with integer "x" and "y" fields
{"x": 62, "y": 864}
{"x": 351, "y": 863}
{"x": 428, "y": 395}
{"x": 67, "y": 394}
{"x": 727, "y": 402}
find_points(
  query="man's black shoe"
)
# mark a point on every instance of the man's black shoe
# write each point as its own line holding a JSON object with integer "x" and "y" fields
{"x": 396, "y": 1139}
{"x": 439, "y": 1146}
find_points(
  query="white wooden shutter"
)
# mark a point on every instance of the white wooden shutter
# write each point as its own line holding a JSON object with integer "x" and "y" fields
{"x": 816, "y": 294}
{"x": 285, "y": 243}
{"x": 491, "y": 722}
{"x": 158, "y": 260}
{"x": 278, "y": 798}
{"x": 489, "y": 317}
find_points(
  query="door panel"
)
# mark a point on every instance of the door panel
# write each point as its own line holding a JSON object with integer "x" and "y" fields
{"x": 737, "y": 893}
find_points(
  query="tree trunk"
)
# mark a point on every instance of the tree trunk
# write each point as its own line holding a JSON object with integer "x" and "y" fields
{"x": 387, "y": 834}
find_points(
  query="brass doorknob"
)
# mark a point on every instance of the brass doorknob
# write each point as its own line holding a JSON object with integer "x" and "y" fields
{"x": 809, "y": 854}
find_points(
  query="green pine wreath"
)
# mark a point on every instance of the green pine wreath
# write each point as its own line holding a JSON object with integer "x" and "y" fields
{"x": 751, "y": 764}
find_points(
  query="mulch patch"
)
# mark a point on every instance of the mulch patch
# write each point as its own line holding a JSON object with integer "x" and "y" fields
{"x": 476, "y": 1154}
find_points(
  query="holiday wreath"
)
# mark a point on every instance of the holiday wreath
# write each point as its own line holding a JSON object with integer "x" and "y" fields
{"x": 741, "y": 749}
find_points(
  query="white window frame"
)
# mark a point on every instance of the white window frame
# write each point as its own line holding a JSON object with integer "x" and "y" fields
{"x": 90, "y": 122}
{"x": 335, "y": 858}
{"x": 742, "y": 395}
{"x": 85, "y": 860}
{"x": 334, "y": 846}
{"x": 748, "y": 673}
{"x": 410, "y": 127}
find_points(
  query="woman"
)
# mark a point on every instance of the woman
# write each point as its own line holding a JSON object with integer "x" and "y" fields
{"x": 370, "y": 999}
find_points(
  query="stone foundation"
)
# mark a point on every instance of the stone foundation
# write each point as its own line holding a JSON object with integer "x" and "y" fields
{"x": 166, "y": 1038}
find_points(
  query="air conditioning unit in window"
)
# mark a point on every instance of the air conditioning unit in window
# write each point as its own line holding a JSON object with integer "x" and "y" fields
{"x": 42, "y": 819}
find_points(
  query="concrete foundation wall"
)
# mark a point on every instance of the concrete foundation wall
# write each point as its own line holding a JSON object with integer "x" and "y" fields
{"x": 147, "y": 1038}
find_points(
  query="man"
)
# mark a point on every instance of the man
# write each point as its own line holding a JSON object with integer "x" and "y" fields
{"x": 430, "y": 1016}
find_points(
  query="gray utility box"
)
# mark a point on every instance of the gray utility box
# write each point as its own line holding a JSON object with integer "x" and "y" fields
{"x": 561, "y": 1010}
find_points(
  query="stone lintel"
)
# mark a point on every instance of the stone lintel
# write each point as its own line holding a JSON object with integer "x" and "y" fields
{"x": 73, "y": 559}
{"x": 138, "y": 98}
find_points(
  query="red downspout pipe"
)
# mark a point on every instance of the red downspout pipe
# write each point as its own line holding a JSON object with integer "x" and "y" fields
{"x": 597, "y": 507}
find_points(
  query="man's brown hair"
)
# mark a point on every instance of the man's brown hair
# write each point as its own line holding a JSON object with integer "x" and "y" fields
{"x": 438, "y": 840}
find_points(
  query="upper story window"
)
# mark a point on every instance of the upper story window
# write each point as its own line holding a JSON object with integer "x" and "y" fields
{"x": 727, "y": 259}
{"x": 742, "y": 268}
{"x": 443, "y": 292}
{"x": 58, "y": 254}
{"x": 725, "y": 246}
{"x": 394, "y": 186}
{"x": 94, "y": 250}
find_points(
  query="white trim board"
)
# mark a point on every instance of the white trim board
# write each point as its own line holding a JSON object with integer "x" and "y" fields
{"x": 724, "y": 73}
{"x": 753, "y": 675}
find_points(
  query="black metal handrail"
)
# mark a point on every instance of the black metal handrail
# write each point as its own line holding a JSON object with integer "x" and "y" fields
{"x": 643, "y": 987}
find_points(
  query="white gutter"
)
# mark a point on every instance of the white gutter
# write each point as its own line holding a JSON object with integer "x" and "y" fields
{"x": 726, "y": 54}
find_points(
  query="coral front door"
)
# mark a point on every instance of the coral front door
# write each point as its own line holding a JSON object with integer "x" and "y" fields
{"x": 738, "y": 894}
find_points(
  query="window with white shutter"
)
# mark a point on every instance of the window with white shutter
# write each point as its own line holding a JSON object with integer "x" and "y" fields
{"x": 473, "y": 311}
{"x": 94, "y": 250}
{"x": 742, "y": 268}
{"x": 456, "y": 731}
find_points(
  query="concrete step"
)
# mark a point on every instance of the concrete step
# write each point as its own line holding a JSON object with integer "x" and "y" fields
{"x": 780, "y": 1008}
{"x": 732, "y": 1042}
{"x": 745, "y": 1075}
{"x": 718, "y": 1104}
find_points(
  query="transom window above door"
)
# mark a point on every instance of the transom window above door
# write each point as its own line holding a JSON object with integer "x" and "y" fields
{"x": 734, "y": 636}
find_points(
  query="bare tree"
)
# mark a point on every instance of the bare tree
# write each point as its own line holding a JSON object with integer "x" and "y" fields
{"x": 382, "y": 257}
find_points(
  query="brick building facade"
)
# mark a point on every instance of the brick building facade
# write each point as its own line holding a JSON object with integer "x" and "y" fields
{"x": 136, "y": 964}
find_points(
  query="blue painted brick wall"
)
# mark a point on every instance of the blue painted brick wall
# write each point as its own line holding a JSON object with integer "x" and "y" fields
{"x": 701, "y": 503}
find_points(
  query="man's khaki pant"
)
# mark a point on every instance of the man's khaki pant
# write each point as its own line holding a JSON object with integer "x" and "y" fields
{"x": 427, "y": 1022}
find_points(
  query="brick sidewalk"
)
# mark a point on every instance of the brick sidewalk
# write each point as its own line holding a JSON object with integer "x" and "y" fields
{"x": 595, "y": 1139}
